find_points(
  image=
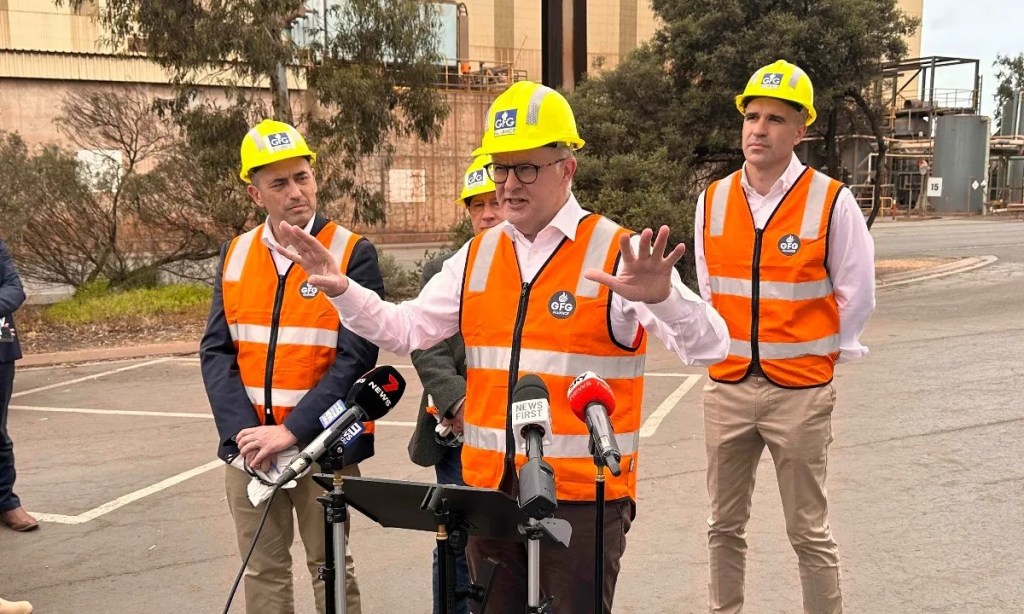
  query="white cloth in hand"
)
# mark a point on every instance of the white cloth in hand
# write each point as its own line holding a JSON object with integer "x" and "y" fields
{"x": 262, "y": 484}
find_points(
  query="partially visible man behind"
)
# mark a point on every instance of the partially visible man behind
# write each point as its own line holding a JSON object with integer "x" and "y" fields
{"x": 784, "y": 255}
{"x": 275, "y": 357}
{"x": 437, "y": 439}
{"x": 12, "y": 295}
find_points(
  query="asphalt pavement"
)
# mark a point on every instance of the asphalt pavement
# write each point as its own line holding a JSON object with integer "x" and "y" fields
{"x": 925, "y": 475}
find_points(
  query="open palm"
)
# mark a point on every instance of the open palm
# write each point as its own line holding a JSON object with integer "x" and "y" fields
{"x": 644, "y": 276}
{"x": 315, "y": 259}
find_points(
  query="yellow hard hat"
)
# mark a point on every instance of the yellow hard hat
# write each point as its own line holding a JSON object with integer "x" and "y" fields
{"x": 271, "y": 141}
{"x": 475, "y": 181}
{"x": 525, "y": 116}
{"x": 780, "y": 80}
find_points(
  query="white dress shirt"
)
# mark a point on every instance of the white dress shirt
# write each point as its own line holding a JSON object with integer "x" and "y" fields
{"x": 850, "y": 261}
{"x": 685, "y": 323}
{"x": 269, "y": 240}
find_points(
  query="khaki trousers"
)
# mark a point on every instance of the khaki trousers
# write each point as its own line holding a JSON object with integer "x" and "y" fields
{"x": 796, "y": 425}
{"x": 268, "y": 577}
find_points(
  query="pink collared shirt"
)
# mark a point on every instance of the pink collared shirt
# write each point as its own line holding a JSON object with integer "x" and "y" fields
{"x": 850, "y": 261}
{"x": 685, "y": 323}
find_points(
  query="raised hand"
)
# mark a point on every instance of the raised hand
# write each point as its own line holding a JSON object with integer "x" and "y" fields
{"x": 318, "y": 262}
{"x": 644, "y": 276}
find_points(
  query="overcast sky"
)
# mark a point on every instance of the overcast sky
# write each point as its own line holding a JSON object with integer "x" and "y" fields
{"x": 977, "y": 29}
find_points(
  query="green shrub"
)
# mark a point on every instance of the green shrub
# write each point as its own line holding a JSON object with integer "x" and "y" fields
{"x": 94, "y": 302}
{"x": 399, "y": 283}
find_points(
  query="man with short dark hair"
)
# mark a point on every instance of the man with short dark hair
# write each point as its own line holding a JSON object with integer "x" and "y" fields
{"x": 784, "y": 255}
{"x": 275, "y": 358}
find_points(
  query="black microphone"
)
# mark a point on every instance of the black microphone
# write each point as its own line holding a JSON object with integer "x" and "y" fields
{"x": 370, "y": 398}
{"x": 531, "y": 423}
{"x": 592, "y": 400}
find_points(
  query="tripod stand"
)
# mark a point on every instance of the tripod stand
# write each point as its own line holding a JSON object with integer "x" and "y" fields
{"x": 335, "y": 517}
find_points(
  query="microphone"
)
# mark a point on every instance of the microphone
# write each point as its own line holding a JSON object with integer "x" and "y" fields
{"x": 531, "y": 410}
{"x": 591, "y": 399}
{"x": 370, "y": 398}
{"x": 531, "y": 424}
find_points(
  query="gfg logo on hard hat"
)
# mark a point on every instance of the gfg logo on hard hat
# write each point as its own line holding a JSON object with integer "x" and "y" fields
{"x": 476, "y": 178}
{"x": 771, "y": 80}
{"x": 278, "y": 141}
{"x": 505, "y": 122}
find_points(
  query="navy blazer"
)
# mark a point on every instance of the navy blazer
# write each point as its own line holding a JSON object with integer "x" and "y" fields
{"x": 232, "y": 409}
{"x": 12, "y": 295}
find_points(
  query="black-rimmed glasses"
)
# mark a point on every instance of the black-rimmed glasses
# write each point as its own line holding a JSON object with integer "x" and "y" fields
{"x": 525, "y": 173}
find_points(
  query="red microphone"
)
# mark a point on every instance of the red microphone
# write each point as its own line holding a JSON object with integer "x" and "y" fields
{"x": 592, "y": 400}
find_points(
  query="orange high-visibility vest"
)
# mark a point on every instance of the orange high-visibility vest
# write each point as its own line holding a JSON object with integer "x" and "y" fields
{"x": 556, "y": 326}
{"x": 771, "y": 285}
{"x": 287, "y": 330}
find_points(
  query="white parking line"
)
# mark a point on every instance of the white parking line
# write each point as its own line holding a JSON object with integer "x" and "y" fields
{"x": 110, "y": 506}
{"x": 89, "y": 377}
{"x": 653, "y": 421}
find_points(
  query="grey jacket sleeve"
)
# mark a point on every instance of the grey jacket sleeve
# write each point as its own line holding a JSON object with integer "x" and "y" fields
{"x": 442, "y": 370}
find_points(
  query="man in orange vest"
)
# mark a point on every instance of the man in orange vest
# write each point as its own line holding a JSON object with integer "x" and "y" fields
{"x": 555, "y": 291}
{"x": 275, "y": 357}
{"x": 784, "y": 255}
{"x": 442, "y": 370}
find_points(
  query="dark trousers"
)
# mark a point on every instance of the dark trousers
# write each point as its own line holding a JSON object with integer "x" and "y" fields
{"x": 449, "y": 471}
{"x": 8, "y": 500}
{"x": 565, "y": 573}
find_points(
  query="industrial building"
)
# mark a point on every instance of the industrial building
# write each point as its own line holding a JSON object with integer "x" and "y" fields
{"x": 935, "y": 136}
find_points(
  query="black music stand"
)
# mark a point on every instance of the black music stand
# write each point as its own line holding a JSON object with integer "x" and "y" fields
{"x": 451, "y": 512}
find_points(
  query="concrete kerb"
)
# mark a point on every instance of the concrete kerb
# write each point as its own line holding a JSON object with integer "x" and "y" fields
{"x": 182, "y": 348}
{"x": 941, "y": 270}
{"x": 187, "y": 348}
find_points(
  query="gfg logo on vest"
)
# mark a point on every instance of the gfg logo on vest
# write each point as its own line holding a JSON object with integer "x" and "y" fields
{"x": 505, "y": 122}
{"x": 789, "y": 244}
{"x": 562, "y": 304}
{"x": 771, "y": 80}
{"x": 278, "y": 141}
{"x": 474, "y": 179}
{"x": 308, "y": 290}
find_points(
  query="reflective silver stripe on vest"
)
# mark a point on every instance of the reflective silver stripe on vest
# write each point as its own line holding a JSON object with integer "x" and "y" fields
{"x": 283, "y": 397}
{"x": 533, "y": 109}
{"x": 484, "y": 259}
{"x": 781, "y": 351}
{"x": 339, "y": 242}
{"x": 815, "y": 205}
{"x": 555, "y": 363}
{"x": 772, "y": 289}
{"x": 719, "y": 204}
{"x": 597, "y": 252}
{"x": 290, "y": 335}
{"x": 235, "y": 264}
{"x": 561, "y": 446}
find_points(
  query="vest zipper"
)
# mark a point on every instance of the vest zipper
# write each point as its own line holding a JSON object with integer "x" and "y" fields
{"x": 755, "y": 301}
{"x": 513, "y": 377}
{"x": 268, "y": 375}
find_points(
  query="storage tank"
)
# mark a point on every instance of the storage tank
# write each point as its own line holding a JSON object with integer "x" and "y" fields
{"x": 960, "y": 164}
{"x": 1012, "y": 121}
{"x": 1015, "y": 180}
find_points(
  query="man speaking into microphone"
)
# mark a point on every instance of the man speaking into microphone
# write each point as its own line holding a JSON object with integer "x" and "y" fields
{"x": 554, "y": 290}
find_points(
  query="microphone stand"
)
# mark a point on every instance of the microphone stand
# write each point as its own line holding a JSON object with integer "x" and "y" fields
{"x": 537, "y": 500}
{"x": 335, "y": 517}
{"x": 599, "y": 532}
